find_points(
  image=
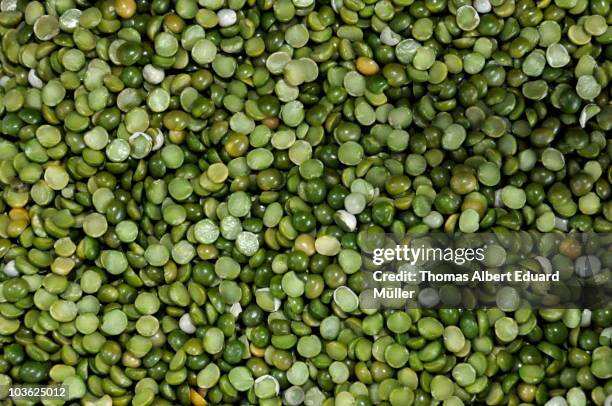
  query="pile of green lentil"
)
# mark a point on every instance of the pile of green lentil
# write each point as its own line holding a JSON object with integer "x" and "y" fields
{"x": 185, "y": 186}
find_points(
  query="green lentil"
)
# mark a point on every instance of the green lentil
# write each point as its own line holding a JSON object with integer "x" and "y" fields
{"x": 186, "y": 187}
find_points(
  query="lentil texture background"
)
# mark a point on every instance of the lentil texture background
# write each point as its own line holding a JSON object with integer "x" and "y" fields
{"x": 185, "y": 186}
